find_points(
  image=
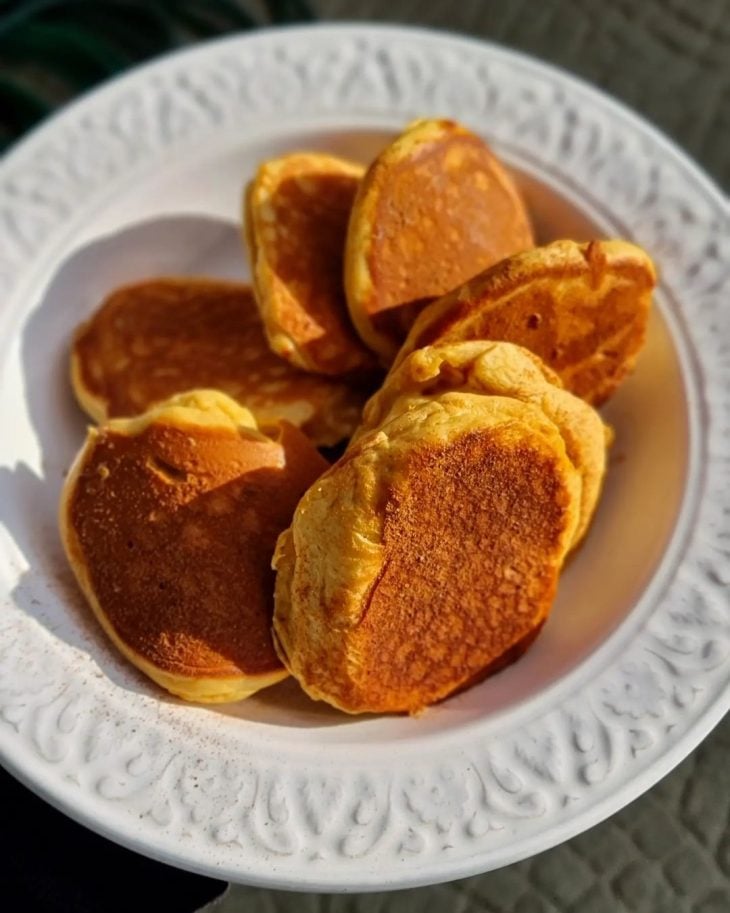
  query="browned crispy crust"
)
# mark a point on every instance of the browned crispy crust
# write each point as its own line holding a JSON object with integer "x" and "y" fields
{"x": 498, "y": 369}
{"x": 296, "y": 212}
{"x": 426, "y": 555}
{"x": 155, "y": 338}
{"x": 582, "y": 308}
{"x": 170, "y": 527}
{"x": 434, "y": 208}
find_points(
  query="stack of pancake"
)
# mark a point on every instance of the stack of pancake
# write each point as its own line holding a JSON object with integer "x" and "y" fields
{"x": 217, "y": 547}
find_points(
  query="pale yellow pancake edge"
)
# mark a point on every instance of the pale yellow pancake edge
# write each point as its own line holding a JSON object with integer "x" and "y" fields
{"x": 268, "y": 288}
{"x": 197, "y": 689}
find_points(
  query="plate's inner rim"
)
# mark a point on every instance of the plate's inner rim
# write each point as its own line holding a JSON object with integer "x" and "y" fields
{"x": 666, "y": 302}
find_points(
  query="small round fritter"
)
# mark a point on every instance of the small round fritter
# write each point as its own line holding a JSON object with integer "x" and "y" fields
{"x": 582, "y": 308}
{"x": 499, "y": 369}
{"x": 435, "y": 208}
{"x": 296, "y": 213}
{"x": 427, "y": 556}
{"x": 169, "y": 521}
{"x": 155, "y": 338}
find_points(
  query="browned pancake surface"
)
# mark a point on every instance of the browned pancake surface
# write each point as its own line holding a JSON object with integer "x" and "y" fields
{"x": 497, "y": 369}
{"x": 175, "y": 528}
{"x": 582, "y": 308}
{"x": 297, "y": 210}
{"x": 159, "y": 337}
{"x": 427, "y": 555}
{"x": 457, "y": 591}
{"x": 433, "y": 210}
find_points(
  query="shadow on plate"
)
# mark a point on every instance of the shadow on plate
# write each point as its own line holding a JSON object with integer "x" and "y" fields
{"x": 47, "y": 591}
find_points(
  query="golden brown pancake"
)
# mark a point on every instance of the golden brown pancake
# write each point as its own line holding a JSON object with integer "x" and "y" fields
{"x": 427, "y": 555}
{"x": 296, "y": 212}
{"x": 582, "y": 308}
{"x": 169, "y": 521}
{"x": 155, "y": 338}
{"x": 498, "y": 369}
{"x": 435, "y": 208}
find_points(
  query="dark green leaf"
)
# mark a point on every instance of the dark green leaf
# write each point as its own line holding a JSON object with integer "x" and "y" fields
{"x": 198, "y": 24}
{"x": 282, "y": 11}
{"x": 140, "y": 29}
{"x": 20, "y": 106}
{"x": 227, "y": 14}
{"x": 26, "y": 10}
{"x": 203, "y": 23}
{"x": 71, "y": 52}
{"x": 163, "y": 13}
{"x": 63, "y": 46}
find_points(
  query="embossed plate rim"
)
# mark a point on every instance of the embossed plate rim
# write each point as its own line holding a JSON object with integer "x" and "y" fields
{"x": 448, "y": 798}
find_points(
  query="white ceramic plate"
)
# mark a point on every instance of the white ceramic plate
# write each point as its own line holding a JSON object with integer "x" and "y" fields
{"x": 630, "y": 673}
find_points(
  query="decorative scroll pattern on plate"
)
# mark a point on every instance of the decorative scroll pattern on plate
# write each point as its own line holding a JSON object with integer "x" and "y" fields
{"x": 217, "y": 801}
